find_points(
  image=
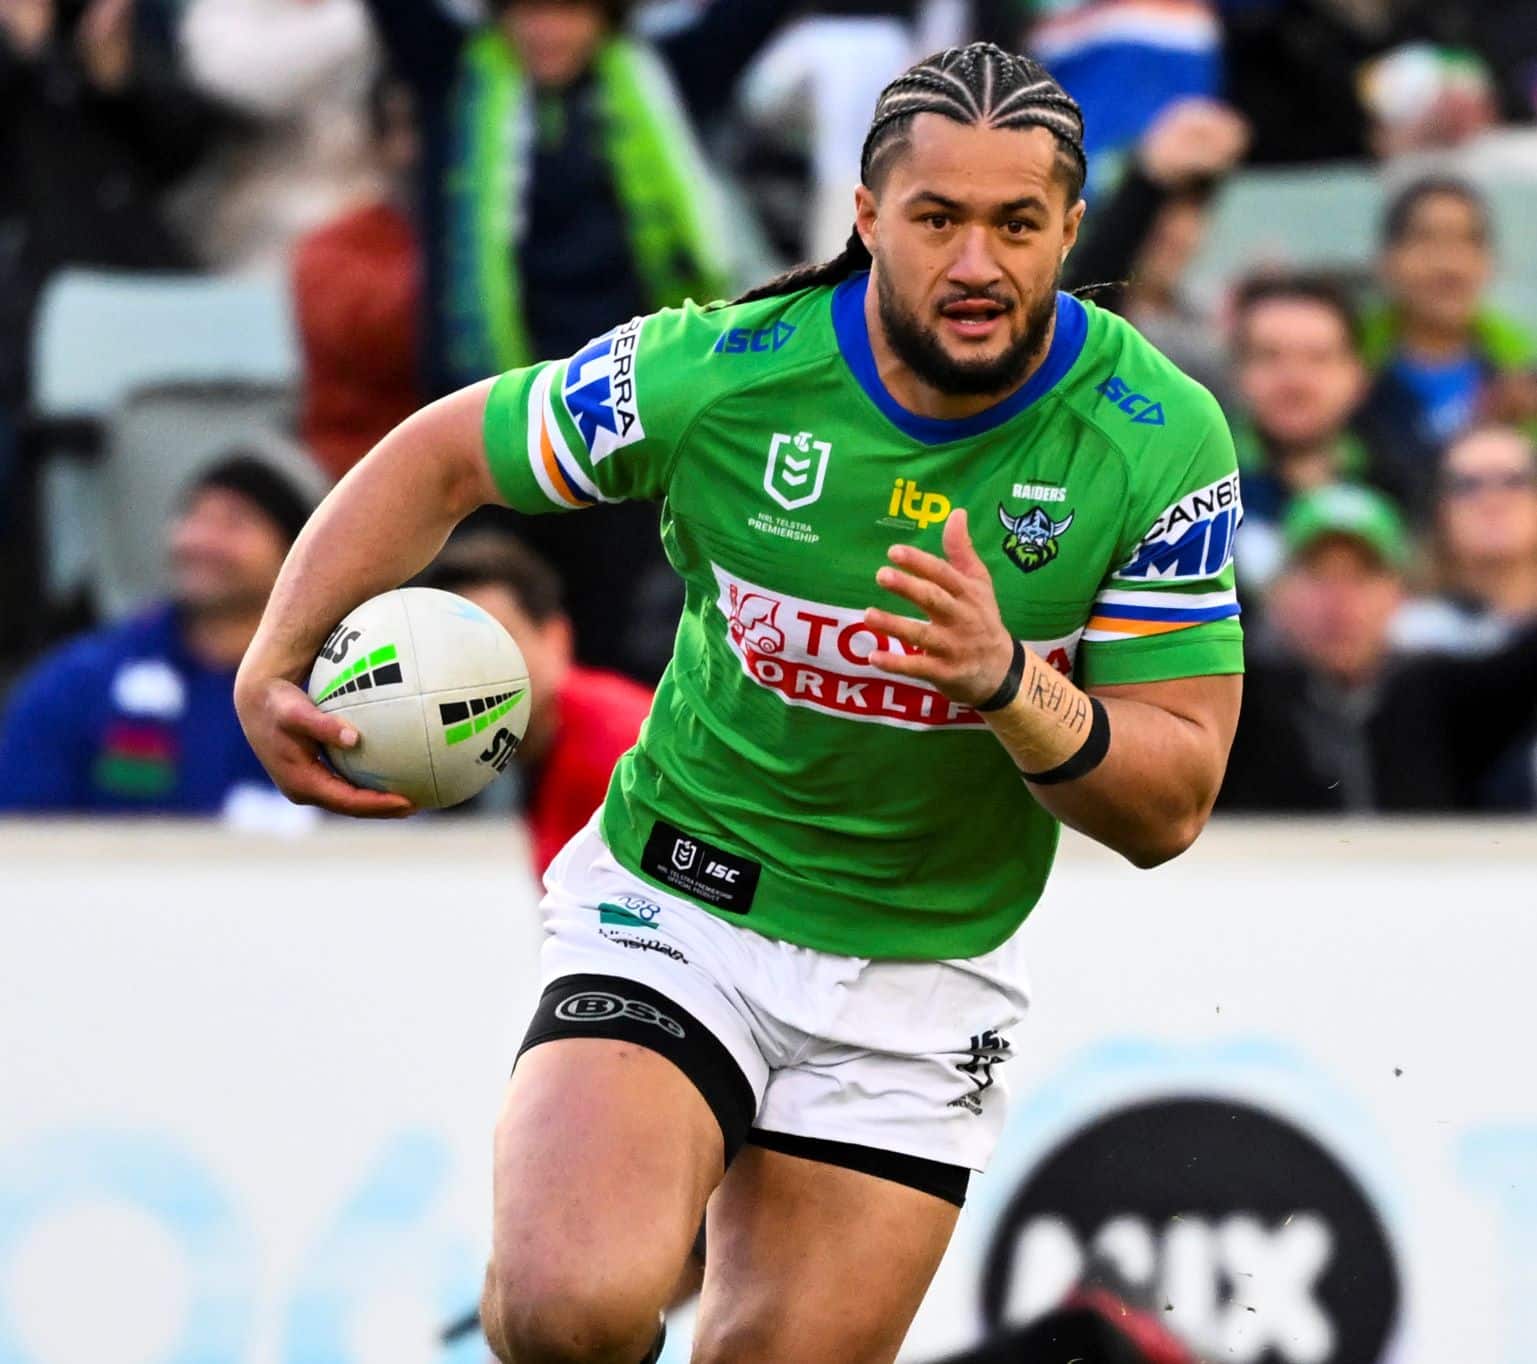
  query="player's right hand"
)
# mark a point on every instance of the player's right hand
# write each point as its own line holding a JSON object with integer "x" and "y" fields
{"x": 286, "y": 731}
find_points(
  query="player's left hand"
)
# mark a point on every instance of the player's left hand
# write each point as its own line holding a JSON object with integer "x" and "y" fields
{"x": 963, "y": 648}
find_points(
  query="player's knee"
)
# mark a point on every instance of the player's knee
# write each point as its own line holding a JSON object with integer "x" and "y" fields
{"x": 548, "y": 1318}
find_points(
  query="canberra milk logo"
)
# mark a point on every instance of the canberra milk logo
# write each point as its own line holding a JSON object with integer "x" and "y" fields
{"x": 817, "y": 655}
{"x": 1191, "y": 539}
{"x": 797, "y": 468}
{"x": 600, "y": 391}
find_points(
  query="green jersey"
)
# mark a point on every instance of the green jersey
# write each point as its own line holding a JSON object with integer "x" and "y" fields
{"x": 781, "y": 781}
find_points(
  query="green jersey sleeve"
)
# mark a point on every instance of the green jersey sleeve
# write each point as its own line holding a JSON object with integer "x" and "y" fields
{"x": 1171, "y": 610}
{"x": 603, "y": 425}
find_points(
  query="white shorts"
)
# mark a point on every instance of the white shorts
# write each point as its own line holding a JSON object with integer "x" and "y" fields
{"x": 901, "y": 1057}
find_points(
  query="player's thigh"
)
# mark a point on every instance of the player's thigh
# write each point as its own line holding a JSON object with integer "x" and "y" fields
{"x": 810, "y": 1262}
{"x": 606, "y": 1154}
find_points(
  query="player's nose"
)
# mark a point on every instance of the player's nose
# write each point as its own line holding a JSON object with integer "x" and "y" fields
{"x": 974, "y": 265}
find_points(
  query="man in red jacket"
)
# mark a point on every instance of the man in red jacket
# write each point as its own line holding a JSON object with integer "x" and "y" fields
{"x": 582, "y": 720}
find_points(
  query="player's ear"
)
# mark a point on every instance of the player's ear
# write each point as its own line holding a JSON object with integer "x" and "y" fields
{"x": 1070, "y": 226}
{"x": 864, "y": 216}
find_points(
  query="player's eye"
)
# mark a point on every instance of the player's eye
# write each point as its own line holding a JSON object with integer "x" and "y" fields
{"x": 1018, "y": 227}
{"x": 938, "y": 221}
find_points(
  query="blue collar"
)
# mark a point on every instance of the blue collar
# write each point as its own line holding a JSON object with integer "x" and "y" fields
{"x": 854, "y": 341}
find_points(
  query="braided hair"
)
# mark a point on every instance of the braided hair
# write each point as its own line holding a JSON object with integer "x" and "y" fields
{"x": 979, "y": 85}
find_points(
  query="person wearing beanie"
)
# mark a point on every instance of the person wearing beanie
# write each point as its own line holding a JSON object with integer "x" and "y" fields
{"x": 1336, "y": 719}
{"x": 138, "y": 717}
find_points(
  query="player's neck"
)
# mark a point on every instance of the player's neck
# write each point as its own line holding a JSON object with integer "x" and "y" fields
{"x": 924, "y": 400}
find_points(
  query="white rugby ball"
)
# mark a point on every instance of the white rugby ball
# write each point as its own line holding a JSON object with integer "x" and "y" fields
{"x": 436, "y": 689}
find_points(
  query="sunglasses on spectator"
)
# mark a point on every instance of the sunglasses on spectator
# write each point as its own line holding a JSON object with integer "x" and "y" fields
{"x": 1469, "y": 485}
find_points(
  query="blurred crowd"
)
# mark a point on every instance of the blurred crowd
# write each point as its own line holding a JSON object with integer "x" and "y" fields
{"x": 241, "y": 239}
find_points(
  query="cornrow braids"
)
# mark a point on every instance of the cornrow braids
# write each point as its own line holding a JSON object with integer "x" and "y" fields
{"x": 976, "y": 85}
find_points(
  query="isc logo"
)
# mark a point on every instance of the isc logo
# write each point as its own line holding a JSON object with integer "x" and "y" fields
{"x": 721, "y": 872}
{"x": 741, "y": 340}
{"x": 1142, "y": 409}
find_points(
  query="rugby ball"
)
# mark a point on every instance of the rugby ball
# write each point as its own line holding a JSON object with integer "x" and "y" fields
{"x": 436, "y": 689}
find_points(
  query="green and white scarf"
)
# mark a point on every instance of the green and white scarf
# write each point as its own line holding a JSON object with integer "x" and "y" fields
{"x": 664, "y": 189}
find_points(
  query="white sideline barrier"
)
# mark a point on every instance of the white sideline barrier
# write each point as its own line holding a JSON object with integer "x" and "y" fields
{"x": 247, "y": 1087}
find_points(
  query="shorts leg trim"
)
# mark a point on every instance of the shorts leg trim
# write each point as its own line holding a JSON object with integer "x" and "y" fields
{"x": 916, "y": 1172}
{"x": 627, "y": 1011}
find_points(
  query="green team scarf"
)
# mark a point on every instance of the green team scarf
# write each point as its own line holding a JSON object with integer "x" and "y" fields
{"x": 665, "y": 194}
{"x": 1504, "y": 343}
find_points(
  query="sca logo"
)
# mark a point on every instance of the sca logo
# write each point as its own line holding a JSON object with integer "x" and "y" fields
{"x": 910, "y": 504}
{"x": 1138, "y": 406}
{"x": 600, "y": 391}
{"x": 741, "y": 340}
{"x": 1031, "y": 537}
{"x": 797, "y": 467}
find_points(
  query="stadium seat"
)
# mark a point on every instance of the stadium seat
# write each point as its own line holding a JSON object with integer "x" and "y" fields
{"x": 100, "y": 335}
{"x": 154, "y": 442}
{"x": 1329, "y": 217}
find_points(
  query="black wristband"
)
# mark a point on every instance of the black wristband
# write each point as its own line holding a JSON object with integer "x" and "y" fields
{"x": 1008, "y": 689}
{"x": 1087, "y": 758}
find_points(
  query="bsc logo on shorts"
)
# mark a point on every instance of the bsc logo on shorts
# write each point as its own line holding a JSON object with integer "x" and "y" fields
{"x": 597, "y": 1006}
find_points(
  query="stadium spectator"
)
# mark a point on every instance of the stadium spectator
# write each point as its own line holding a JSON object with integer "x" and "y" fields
{"x": 1485, "y": 551}
{"x": 1333, "y": 718}
{"x": 1299, "y": 379}
{"x": 139, "y": 717}
{"x": 582, "y": 719}
{"x": 813, "y": 89}
{"x": 300, "y": 70}
{"x": 563, "y": 192}
{"x": 95, "y": 125}
{"x": 1443, "y": 356}
{"x": 589, "y": 199}
{"x": 1125, "y": 62}
{"x": 1138, "y": 244}
{"x": 357, "y": 293}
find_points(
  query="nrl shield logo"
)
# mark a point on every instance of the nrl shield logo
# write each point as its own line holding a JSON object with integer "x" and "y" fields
{"x": 797, "y": 467}
{"x": 1032, "y": 537}
{"x": 683, "y": 853}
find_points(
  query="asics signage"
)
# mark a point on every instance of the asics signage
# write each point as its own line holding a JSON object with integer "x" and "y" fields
{"x": 818, "y": 656}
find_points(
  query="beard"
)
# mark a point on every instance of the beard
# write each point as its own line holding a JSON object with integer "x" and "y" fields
{"x": 919, "y": 348}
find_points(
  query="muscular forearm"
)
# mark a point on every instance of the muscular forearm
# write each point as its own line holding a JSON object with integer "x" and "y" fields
{"x": 380, "y": 525}
{"x": 1151, "y": 795}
